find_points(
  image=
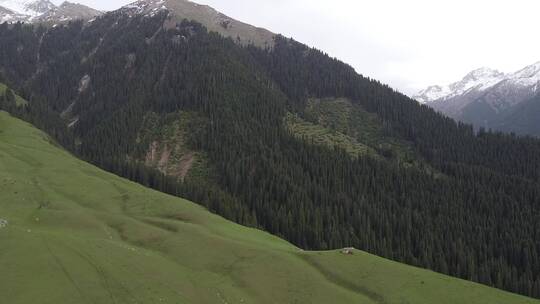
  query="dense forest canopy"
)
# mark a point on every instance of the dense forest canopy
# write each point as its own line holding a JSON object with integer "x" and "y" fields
{"x": 471, "y": 209}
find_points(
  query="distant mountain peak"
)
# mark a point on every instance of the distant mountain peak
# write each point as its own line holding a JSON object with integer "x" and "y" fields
{"x": 29, "y": 8}
{"x": 430, "y": 93}
{"x": 479, "y": 80}
{"x": 68, "y": 11}
{"x": 530, "y": 70}
{"x": 530, "y": 75}
{"x": 7, "y": 15}
{"x": 483, "y": 73}
{"x": 488, "y": 98}
{"x": 39, "y": 6}
{"x": 35, "y": 11}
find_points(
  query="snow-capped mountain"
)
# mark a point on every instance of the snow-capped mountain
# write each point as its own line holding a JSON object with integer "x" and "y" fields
{"x": 24, "y": 10}
{"x": 7, "y": 15}
{"x": 480, "y": 79}
{"x": 69, "y": 11}
{"x": 485, "y": 97}
{"x": 31, "y": 8}
{"x": 528, "y": 76}
{"x": 33, "y": 11}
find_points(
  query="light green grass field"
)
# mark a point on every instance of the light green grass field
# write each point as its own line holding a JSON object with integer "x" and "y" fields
{"x": 76, "y": 234}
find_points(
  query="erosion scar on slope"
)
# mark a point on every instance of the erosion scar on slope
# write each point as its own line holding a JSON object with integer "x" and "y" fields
{"x": 186, "y": 162}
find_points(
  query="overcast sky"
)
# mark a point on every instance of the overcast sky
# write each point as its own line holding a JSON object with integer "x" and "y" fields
{"x": 407, "y": 44}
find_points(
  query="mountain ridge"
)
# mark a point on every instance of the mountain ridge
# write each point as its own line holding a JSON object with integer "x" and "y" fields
{"x": 44, "y": 11}
{"x": 487, "y": 98}
{"x": 207, "y": 16}
{"x": 480, "y": 79}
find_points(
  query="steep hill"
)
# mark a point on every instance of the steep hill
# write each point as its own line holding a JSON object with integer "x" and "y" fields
{"x": 142, "y": 94}
{"x": 72, "y": 233}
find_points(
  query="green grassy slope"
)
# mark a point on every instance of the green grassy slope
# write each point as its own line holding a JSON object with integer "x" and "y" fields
{"x": 76, "y": 234}
{"x": 18, "y": 99}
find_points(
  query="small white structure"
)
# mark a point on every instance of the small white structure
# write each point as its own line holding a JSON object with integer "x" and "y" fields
{"x": 347, "y": 250}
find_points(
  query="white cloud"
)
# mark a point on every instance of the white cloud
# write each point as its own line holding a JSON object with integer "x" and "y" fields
{"x": 408, "y": 44}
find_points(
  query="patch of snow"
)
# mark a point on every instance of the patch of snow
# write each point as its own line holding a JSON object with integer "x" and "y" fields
{"x": 145, "y": 7}
{"x": 528, "y": 76}
{"x": 31, "y": 8}
{"x": 132, "y": 5}
{"x": 432, "y": 93}
{"x": 7, "y": 15}
{"x": 30, "y": 11}
{"x": 481, "y": 80}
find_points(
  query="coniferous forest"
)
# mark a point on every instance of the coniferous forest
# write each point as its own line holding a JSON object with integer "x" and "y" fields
{"x": 475, "y": 214}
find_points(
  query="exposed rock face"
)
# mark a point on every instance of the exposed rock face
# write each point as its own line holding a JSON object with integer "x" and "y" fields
{"x": 207, "y": 16}
{"x": 68, "y": 11}
{"x": 165, "y": 142}
{"x": 173, "y": 161}
{"x": 44, "y": 11}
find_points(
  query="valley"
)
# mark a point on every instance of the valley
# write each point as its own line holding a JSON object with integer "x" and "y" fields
{"x": 165, "y": 152}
